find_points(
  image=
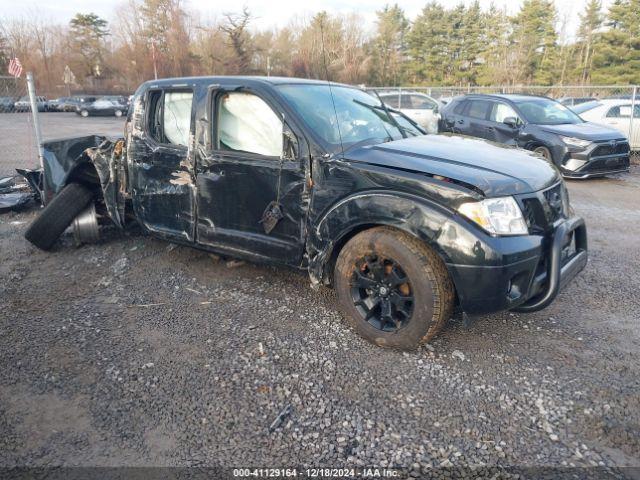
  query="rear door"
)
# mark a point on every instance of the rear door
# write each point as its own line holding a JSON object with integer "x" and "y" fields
{"x": 619, "y": 117}
{"x": 477, "y": 113}
{"x": 422, "y": 110}
{"x": 160, "y": 161}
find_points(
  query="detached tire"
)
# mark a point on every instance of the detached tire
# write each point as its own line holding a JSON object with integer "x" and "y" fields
{"x": 394, "y": 290}
{"x": 58, "y": 215}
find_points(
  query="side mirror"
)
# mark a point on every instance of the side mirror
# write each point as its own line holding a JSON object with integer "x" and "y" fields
{"x": 511, "y": 121}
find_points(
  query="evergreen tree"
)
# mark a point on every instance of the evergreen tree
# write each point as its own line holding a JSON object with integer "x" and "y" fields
{"x": 494, "y": 63}
{"x": 388, "y": 48}
{"x": 471, "y": 31}
{"x": 87, "y": 33}
{"x": 590, "y": 22}
{"x": 534, "y": 37}
{"x": 616, "y": 57}
{"x": 428, "y": 42}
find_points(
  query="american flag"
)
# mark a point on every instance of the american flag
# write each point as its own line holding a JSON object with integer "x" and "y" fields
{"x": 15, "y": 67}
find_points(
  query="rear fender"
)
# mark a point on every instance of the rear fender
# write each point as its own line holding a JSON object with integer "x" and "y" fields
{"x": 75, "y": 159}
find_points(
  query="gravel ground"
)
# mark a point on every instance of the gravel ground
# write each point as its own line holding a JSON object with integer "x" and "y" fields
{"x": 137, "y": 352}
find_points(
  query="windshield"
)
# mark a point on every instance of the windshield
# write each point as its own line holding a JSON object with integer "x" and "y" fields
{"x": 544, "y": 111}
{"x": 585, "y": 107}
{"x": 358, "y": 118}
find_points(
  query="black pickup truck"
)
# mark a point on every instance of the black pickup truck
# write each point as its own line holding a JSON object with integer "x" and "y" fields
{"x": 324, "y": 177}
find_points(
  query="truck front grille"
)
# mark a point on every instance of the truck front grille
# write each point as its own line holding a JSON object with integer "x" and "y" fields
{"x": 542, "y": 209}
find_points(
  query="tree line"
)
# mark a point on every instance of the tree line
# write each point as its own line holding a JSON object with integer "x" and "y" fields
{"x": 460, "y": 46}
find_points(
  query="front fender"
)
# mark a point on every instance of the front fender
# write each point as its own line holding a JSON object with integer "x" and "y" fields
{"x": 414, "y": 215}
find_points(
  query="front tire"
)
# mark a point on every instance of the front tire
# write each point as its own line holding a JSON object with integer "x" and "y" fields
{"x": 84, "y": 113}
{"x": 118, "y": 113}
{"x": 394, "y": 290}
{"x": 544, "y": 151}
{"x": 58, "y": 215}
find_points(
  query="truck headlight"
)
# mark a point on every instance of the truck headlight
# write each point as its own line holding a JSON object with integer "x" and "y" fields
{"x": 574, "y": 142}
{"x": 499, "y": 216}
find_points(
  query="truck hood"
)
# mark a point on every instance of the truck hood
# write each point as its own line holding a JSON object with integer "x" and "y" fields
{"x": 491, "y": 167}
{"x": 584, "y": 131}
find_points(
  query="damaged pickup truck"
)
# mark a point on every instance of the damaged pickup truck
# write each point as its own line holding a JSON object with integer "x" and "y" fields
{"x": 326, "y": 178}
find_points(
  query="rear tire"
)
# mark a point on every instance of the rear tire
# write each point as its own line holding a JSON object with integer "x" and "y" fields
{"x": 84, "y": 113}
{"x": 118, "y": 113}
{"x": 410, "y": 270}
{"x": 58, "y": 215}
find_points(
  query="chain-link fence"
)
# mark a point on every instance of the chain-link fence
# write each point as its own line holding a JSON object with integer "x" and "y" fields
{"x": 18, "y": 148}
{"x": 612, "y": 105}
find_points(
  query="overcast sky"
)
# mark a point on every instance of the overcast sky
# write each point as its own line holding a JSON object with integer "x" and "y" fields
{"x": 267, "y": 13}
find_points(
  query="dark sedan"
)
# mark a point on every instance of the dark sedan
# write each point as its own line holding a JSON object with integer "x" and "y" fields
{"x": 580, "y": 149}
{"x": 104, "y": 107}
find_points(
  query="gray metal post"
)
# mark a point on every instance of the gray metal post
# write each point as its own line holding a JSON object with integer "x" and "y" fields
{"x": 36, "y": 120}
{"x": 633, "y": 108}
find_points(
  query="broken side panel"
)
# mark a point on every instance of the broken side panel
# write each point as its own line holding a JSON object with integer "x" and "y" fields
{"x": 160, "y": 167}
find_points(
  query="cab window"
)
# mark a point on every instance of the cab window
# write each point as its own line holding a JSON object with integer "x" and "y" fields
{"x": 422, "y": 103}
{"x": 169, "y": 120}
{"x": 500, "y": 111}
{"x": 390, "y": 100}
{"x": 623, "y": 111}
{"x": 478, "y": 109}
{"x": 246, "y": 123}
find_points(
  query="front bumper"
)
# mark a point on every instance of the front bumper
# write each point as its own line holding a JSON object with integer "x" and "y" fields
{"x": 530, "y": 284}
{"x": 601, "y": 158}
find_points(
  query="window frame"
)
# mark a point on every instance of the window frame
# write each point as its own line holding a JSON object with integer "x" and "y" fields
{"x": 149, "y": 112}
{"x": 424, "y": 99}
{"x": 513, "y": 109}
{"x": 214, "y": 108}
{"x": 486, "y": 113}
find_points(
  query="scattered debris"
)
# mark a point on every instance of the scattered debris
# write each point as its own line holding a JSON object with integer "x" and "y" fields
{"x": 234, "y": 263}
{"x": 214, "y": 257}
{"x": 192, "y": 290}
{"x": 171, "y": 247}
{"x": 286, "y": 411}
{"x": 146, "y": 305}
{"x": 14, "y": 201}
{"x": 459, "y": 355}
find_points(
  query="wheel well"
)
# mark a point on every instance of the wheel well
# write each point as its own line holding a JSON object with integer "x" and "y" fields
{"x": 87, "y": 175}
{"x": 342, "y": 241}
{"x": 337, "y": 247}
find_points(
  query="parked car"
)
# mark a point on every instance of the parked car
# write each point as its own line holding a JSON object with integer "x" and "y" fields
{"x": 571, "y": 101}
{"x": 101, "y": 107}
{"x": 57, "y": 104}
{"x": 73, "y": 103}
{"x": 7, "y": 104}
{"x": 319, "y": 177}
{"x": 419, "y": 107}
{"x": 580, "y": 149}
{"x": 615, "y": 113}
{"x": 24, "y": 104}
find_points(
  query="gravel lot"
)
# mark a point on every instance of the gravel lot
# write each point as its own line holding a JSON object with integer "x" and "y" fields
{"x": 136, "y": 352}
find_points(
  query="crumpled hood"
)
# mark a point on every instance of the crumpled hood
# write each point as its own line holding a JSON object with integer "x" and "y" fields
{"x": 493, "y": 168}
{"x": 584, "y": 131}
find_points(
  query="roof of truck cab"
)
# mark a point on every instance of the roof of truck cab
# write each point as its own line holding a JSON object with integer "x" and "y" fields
{"x": 177, "y": 81}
